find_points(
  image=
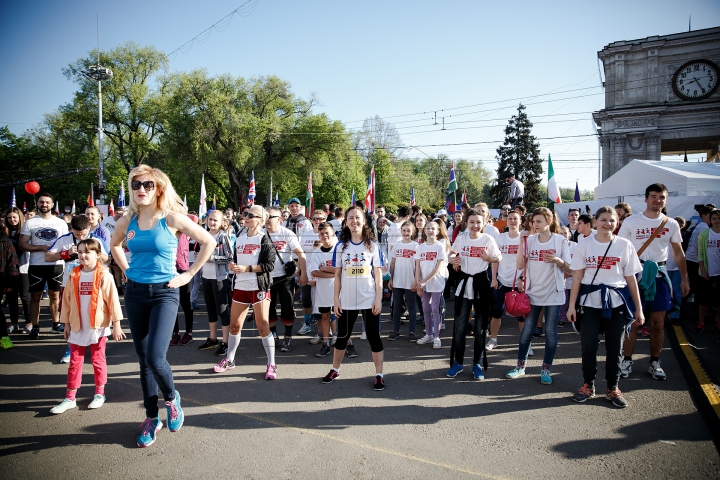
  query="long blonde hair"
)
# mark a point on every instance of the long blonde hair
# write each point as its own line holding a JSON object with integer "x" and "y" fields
{"x": 168, "y": 201}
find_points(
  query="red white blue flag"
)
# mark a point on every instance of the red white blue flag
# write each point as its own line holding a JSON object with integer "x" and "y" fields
{"x": 251, "y": 190}
{"x": 370, "y": 195}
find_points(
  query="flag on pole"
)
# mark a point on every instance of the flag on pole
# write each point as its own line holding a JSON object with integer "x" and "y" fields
{"x": 370, "y": 195}
{"x": 213, "y": 204}
{"x": 447, "y": 203}
{"x": 72, "y": 211}
{"x": 577, "y": 192}
{"x": 12, "y": 199}
{"x": 24, "y": 207}
{"x": 111, "y": 208}
{"x": 463, "y": 199}
{"x": 57, "y": 208}
{"x": 90, "y": 197}
{"x": 184, "y": 202}
{"x": 242, "y": 201}
{"x": 309, "y": 198}
{"x": 553, "y": 188}
{"x": 121, "y": 196}
{"x": 251, "y": 190}
{"x": 277, "y": 200}
{"x": 202, "y": 210}
{"x": 412, "y": 196}
{"x": 452, "y": 185}
{"x": 352, "y": 202}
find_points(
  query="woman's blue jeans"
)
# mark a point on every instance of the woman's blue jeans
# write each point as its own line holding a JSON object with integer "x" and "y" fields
{"x": 551, "y": 334}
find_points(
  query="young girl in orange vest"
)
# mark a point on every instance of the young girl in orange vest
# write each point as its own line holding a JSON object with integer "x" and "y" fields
{"x": 90, "y": 304}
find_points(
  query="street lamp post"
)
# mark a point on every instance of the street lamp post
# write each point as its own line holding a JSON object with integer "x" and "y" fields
{"x": 99, "y": 73}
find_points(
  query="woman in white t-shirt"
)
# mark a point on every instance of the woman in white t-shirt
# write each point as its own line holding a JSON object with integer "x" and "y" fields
{"x": 548, "y": 258}
{"x": 358, "y": 289}
{"x": 471, "y": 255}
{"x": 604, "y": 267}
{"x": 430, "y": 259}
{"x": 254, "y": 260}
{"x": 402, "y": 281}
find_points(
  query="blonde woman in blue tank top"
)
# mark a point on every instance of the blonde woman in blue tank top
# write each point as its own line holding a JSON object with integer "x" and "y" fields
{"x": 157, "y": 218}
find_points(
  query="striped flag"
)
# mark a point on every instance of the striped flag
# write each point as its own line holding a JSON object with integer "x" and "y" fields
{"x": 412, "y": 196}
{"x": 464, "y": 197}
{"x": 202, "y": 210}
{"x": 251, "y": 190}
{"x": 452, "y": 184}
{"x": 553, "y": 188}
{"x": 90, "y": 197}
{"x": 370, "y": 195}
{"x": 13, "y": 202}
{"x": 121, "y": 196}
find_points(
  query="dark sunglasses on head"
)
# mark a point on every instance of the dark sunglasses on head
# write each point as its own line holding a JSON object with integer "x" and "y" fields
{"x": 147, "y": 185}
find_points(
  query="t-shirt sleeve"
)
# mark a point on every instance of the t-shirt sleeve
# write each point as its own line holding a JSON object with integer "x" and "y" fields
{"x": 578, "y": 257}
{"x": 632, "y": 264}
{"x": 493, "y": 249}
{"x": 58, "y": 245}
{"x": 442, "y": 254}
{"x": 336, "y": 257}
{"x": 312, "y": 261}
{"x": 293, "y": 242}
{"x": 675, "y": 235}
{"x": 625, "y": 231}
{"x": 25, "y": 230}
{"x": 377, "y": 258}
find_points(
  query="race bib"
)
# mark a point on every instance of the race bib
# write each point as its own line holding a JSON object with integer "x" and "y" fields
{"x": 358, "y": 271}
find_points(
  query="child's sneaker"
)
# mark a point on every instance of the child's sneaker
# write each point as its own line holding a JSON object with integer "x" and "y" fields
{"x": 304, "y": 330}
{"x": 626, "y": 368}
{"x": 424, "y": 340}
{"x": 150, "y": 427}
{"x": 615, "y": 396}
{"x": 175, "y": 415}
{"x": 271, "y": 372}
{"x": 515, "y": 373}
{"x": 350, "y": 351}
{"x": 330, "y": 377}
{"x": 223, "y": 365}
{"x": 491, "y": 344}
{"x": 545, "y": 377}
{"x": 656, "y": 371}
{"x": 66, "y": 358}
{"x": 379, "y": 383}
{"x": 324, "y": 351}
{"x": 437, "y": 344}
{"x": 315, "y": 340}
{"x": 478, "y": 373}
{"x": 412, "y": 336}
{"x": 63, "y": 406}
{"x": 454, "y": 370}
{"x": 585, "y": 393}
{"x": 187, "y": 338}
{"x": 97, "y": 402}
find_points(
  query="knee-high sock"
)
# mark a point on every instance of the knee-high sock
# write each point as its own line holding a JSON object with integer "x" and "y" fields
{"x": 269, "y": 345}
{"x": 233, "y": 344}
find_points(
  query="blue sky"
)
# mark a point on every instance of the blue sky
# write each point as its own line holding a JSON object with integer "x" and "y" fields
{"x": 401, "y": 60}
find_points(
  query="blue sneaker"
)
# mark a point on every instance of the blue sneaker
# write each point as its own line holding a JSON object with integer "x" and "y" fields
{"x": 545, "y": 377}
{"x": 515, "y": 373}
{"x": 66, "y": 357}
{"x": 454, "y": 370}
{"x": 478, "y": 373}
{"x": 175, "y": 415}
{"x": 150, "y": 427}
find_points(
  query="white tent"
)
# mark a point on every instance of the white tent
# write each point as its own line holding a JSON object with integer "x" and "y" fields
{"x": 681, "y": 179}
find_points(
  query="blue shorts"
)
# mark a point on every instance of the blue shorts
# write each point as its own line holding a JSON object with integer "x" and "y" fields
{"x": 662, "y": 301}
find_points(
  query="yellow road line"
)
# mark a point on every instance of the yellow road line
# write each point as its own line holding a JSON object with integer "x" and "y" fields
{"x": 705, "y": 383}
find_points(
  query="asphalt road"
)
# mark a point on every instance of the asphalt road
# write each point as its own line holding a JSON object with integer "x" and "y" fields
{"x": 423, "y": 424}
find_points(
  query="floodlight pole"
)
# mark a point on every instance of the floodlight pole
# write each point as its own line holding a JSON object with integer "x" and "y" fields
{"x": 99, "y": 73}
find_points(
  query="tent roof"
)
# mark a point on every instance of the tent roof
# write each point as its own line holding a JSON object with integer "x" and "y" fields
{"x": 680, "y": 178}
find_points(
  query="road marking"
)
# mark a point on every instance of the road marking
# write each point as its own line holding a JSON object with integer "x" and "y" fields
{"x": 705, "y": 383}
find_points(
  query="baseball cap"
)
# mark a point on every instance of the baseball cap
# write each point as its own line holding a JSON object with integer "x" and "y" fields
{"x": 294, "y": 200}
{"x": 441, "y": 212}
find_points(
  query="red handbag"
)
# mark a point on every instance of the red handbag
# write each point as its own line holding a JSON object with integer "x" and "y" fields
{"x": 517, "y": 304}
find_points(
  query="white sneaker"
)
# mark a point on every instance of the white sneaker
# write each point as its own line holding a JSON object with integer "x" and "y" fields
{"x": 491, "y": 344}
{"x": 97, "y": 401}
{"x": 63, "y": 407}
{"x": 437, "y": 344}
{"x": 626, "y": 368}
{"x": 315, "y": 340}
{"x": 656, "y": 371}
{"x": 333, "y": 340}
{"x": 530, "y": 352}
{"x": 304, "y": 330}
{"x": 424, "y": 340}
{"x": 363, "y": 336}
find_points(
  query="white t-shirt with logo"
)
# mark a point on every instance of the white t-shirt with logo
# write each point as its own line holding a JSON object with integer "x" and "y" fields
{"x": 638, "y": 228}
{"x": 324, "y": 287}
{"x": 621, "y": 261}
{"x": 470, "y": 261}
{"x": 247, "y": 252}
{"x": 404, "y": 272}
{"x": 64, "y": 243}
{"x": 492, "y": 231}
{"x": 43, "y": 231}
{"x": 357, "y": 288}
{"x": 307, "y": 241}
{"x": 285, "y": 241}
{"x": 429, "y": 256}
{"x": 86, "y": 336}
{"x": 545, "y": 282}
{"x": 713, "y": 254}
{"x": 507, "y": 266}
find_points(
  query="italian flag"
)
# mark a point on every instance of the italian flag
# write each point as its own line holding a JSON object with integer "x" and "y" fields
{"x": 553, "y": 188}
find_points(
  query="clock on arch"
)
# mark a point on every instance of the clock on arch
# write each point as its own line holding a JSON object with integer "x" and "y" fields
{"x": 695, "y": 80}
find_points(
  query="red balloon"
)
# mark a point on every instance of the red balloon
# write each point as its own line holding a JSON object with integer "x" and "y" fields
{"x": 32, "y": 187}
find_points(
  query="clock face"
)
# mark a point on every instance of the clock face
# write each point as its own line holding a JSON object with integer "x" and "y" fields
{"x": 696, "y": 80}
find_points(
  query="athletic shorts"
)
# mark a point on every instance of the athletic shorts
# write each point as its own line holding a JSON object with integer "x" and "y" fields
{"x": 324, "y": 309}
{"x": 249, "y": 297}
{"x": 662, "y": 301}
{"x": 40, "y": 274}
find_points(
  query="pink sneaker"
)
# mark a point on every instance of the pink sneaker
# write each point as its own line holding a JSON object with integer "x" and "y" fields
{"x": 271, "y": 372}
{"x": 223, "y": 365}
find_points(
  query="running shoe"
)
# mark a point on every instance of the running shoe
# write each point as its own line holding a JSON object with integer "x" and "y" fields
{"x": 66, "y": 358}
{"x": 187, "y": 338}
{"x": 477, "y": 371}
{"x": 656, "y": 371}
{"x": 545, "y": 377}
{"x": 221, "y": 350}
{"x": 223, "y": 365}
{"x": 585, "y": 393}
{"x": 6, "y": 343}
{"x": 175, "y": 415}
{"x": 561, "y": 323}
{"x": 209, "y": 344}
{"x": 63, "y": 406}
{"x": 350, "y": 351}
{"x": 324, "y": 351}
{"x": 393, "y": 336}
{"x": 424, "y": 340}
{"x": 331, "y": 376}
{"x": 12, "y": 329}
{"x": 97, "y": 402}
{"x": 515, "y": 373}
{"x": 491, "y": 344}
{"x": 315, "y": 340}
{"x": 174, "y": 340}
{"x": 27, "y": 329}
{"x": 34, "y": 334}
{"x": 437, "y": 344}
{"x": 363, "y": 336}
{"x": 195, "y": 306}
{"x": 304, "y": 330}
{"x": 412, "y": 337}
{"x": 616, "y": 398}
{"x": 643, "y": 331}
{"x": 150, "y": 427}
{"x": 271, "y": 372}
{"x": 379, "y": 383}
{"x": 454, "y": 370}
{"x": 538, "y": 332}
{"x": 626, "y": 368}
{"x": 286, "y": 345}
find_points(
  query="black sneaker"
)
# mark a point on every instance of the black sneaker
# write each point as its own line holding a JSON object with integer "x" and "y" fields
{"x": 585, "y": 393}
{"x": 393, "y": 336}
{"x": 379, "y": 383}
{"x": 538, "y": 332}
{"x": 412, "y": 337}
{"x": 324, "y": 351}
{"x": 286, "y": 345}
{"x": 350, "y": 351}
{"x": 221, "y": 350}
{"x": 331, "y": 376}
{"x": 615, "y": 397}
{"x": 34, "y": 333}
{"x": 58, "y": 328}
{"x": 209, "y": 344}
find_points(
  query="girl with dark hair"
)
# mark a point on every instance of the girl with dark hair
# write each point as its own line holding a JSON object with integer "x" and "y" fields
{"x": 8, "y": 280}
{"x": 14, "y": 220}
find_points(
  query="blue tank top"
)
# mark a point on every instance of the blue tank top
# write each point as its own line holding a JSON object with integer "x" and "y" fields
{"x": 153, "y": 253}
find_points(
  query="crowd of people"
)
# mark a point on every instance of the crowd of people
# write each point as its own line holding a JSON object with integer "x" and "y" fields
{"x": 606, "y": 274}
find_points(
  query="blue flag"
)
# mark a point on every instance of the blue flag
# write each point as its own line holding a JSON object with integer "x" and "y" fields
{"x": 353, "y": 198}
{"x": 577, "y": 192}
{"x": 277, "y": 200}
{"x": 121, "y": 197}
{"x": 13, "y": 203}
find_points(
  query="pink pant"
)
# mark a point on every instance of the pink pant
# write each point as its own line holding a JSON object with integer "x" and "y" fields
{"x": 77, "y": 358}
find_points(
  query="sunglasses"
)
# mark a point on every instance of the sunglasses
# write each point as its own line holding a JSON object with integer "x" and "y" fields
{"x": 251, "y": 215}
{"x": 318, "y": 219}
{"x": 147, "y": 185}
{"x": 274, "y": 216}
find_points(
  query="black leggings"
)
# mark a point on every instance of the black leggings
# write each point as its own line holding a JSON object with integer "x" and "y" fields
{"x": 21, "y": 290}
{"x": 346, "y": 322}
{"x": 187, "y": 309}
{"x": 216, "y": 300}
